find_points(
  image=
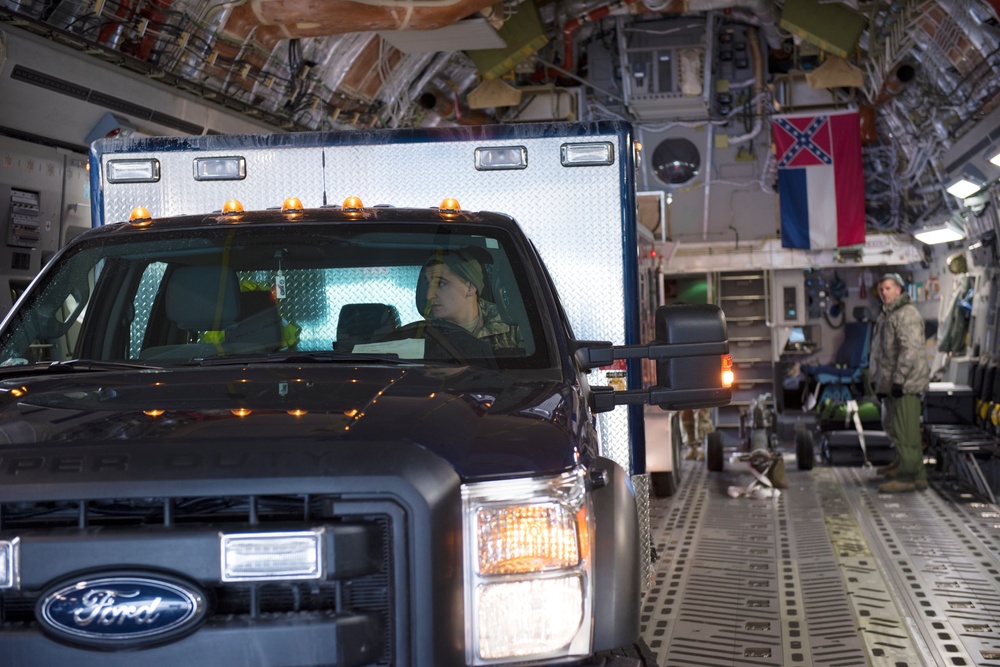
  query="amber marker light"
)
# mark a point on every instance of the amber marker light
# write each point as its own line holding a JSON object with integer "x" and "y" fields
{"x": 232, "y": 207}
{"x": 727, "y": 371}
{"x": 298, "y": 413}
{"x": 352, "y": 204}
{"x": 242, "y": 412}
{"x": 140, "y": 216}
{"x": 450, "y": 207}
{"x": 292, "y": 205}
{"x": 152, "y": 413}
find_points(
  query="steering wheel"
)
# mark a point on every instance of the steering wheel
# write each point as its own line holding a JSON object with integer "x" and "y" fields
{"x": 446, "y": 340}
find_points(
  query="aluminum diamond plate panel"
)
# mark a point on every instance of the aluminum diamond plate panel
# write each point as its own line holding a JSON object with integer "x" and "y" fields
{"x": 144, "y": 298}
{"x": 573, "y": 215}
{"x": 271, "y": 177}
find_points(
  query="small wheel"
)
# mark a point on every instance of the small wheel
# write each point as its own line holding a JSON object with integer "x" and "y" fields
{"x": 713, "y": 451}
{"x": 804, "y": 450}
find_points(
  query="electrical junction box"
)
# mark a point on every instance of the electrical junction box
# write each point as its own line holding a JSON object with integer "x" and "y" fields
{"x": 789, "y": 307}
{"x": 732, "y": 67}
{"x": 663, "y": 67}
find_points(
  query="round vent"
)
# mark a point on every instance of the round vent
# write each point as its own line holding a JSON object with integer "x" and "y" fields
{"x": 676, "y": 161}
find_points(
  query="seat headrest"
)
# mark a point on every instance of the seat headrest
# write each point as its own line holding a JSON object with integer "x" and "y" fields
{"x": 203, "y": 298}
{"x": 364, "y": 322}
{"x": 260, "y": 321}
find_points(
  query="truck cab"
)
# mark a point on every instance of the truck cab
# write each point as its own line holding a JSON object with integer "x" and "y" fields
{"x": 252, "y": 437}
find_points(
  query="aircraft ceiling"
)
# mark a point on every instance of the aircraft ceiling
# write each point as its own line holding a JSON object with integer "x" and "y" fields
{"x": 922, "y": 73}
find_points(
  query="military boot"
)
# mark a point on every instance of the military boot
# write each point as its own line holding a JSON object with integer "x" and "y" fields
{"x": 897, "y": 486}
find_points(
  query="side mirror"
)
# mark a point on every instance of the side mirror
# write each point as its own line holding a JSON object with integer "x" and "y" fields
{"x": 693, "y": 366}
{"x": 697, "y": 379}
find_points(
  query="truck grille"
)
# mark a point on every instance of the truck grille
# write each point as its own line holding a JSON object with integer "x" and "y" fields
{"x": 371, "y": 592}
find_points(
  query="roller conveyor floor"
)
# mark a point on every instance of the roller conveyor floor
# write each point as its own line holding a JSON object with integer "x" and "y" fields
{"x": 830, "y": 572}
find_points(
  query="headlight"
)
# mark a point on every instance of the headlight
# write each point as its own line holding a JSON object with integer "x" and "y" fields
{"x": 528, "y": 569}
{"x": 526, "y": 538}
{"x": 8, "y": 563}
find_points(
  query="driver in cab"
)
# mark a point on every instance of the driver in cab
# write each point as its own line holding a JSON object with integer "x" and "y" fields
{"x": 455, "y": 283}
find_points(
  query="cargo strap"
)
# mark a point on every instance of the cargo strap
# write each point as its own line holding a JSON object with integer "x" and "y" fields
{"x": 852, "y": 414}
{"x": 762, "y": 486}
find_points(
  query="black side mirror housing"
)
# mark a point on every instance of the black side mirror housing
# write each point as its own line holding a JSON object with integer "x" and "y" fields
{"x": 690, "y": 350}
{"x": 698, "y": 374}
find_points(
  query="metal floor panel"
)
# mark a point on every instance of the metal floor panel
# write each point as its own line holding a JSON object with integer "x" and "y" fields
{"x": 829, "y": 573}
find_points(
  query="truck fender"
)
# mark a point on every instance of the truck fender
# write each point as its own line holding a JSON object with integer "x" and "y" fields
{"x": 616, "y": 552}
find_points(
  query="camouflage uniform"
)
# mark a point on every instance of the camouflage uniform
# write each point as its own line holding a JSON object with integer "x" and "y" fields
{"x": 899, "y": 374}
{"x": 495, "y": 330}
{"x": 695, "y": 425}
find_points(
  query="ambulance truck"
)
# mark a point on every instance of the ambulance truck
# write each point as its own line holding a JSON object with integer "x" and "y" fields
{"x": 238, "y": 426}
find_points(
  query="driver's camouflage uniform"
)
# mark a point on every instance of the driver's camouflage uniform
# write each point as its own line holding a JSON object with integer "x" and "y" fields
{"x": 495, "y": 330}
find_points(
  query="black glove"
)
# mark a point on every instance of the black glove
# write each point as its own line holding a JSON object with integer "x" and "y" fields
{"x": 897, "y": 391}
{"x": 881, "y": 397}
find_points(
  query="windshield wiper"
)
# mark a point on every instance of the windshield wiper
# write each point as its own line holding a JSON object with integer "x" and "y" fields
{"x": 72, "y": 365}
{"x": 304, "y": 358}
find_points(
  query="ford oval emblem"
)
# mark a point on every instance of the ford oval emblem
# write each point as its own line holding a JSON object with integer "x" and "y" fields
{"x": 121, "y": 611}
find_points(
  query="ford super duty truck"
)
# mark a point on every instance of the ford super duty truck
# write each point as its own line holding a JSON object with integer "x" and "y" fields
{"x": 236, "y": 427}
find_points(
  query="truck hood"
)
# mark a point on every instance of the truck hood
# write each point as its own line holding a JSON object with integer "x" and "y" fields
{"x": 485, "y": 424}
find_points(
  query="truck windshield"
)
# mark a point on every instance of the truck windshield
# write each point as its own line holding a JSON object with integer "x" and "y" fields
{"x": 415, "y": 292}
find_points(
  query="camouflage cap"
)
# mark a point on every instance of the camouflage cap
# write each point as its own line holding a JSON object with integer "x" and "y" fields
{"x": 462, "y": 265}
{"x": 893, "y": 276}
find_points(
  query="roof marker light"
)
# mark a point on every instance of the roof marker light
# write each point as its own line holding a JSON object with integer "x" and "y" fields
{"x": 592, "y": 154}
{"x": 450, "y": 205}
{"x": 232, "y": 207}
{"x": 140, "y": 214}
{"x": 291, "y": 205}
{"x": 497, "y": 158}
{"x": 353, "y": 204}
{"x": 134, "y": 171}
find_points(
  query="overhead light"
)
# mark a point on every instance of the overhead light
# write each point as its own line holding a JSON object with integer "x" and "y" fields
{"x": 963, "y": 188}
{"x": 994, "y": 156}
{"x": 134, "y": 171}
{"x": 946, "y": 231}
{"x": 220, "y": 168}
{"x": 501, "y": 157}
{"x": 969, "y": 183}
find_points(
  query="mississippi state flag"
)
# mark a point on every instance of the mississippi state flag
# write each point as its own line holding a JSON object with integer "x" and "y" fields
{"x": 820, "y": 180}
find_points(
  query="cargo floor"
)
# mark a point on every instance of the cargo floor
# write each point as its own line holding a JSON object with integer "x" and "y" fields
{"x": 830, "y": 572}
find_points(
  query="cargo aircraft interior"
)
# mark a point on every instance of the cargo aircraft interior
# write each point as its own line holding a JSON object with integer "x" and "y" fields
{"x": 772, "y": 538}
